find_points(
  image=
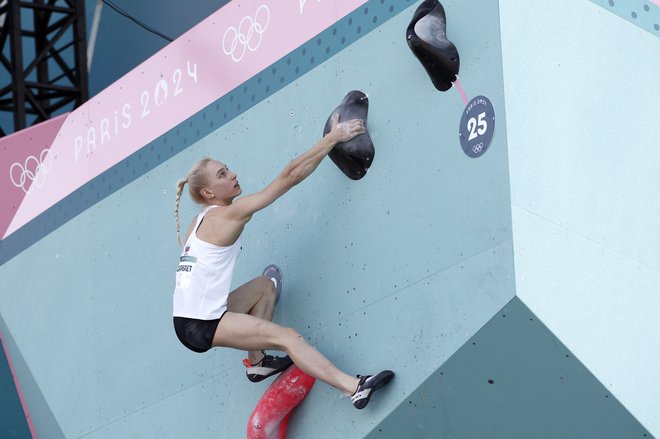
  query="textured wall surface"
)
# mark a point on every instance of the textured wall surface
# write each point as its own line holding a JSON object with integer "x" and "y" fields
{"x": 512, "y": 379}
{"x": 397, "y": 270}
{"x": 583, "y": 136}
{"x": 410, "y": 268}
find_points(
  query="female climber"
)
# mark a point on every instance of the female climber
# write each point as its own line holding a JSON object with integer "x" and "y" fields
{"x": 207, "y": 314}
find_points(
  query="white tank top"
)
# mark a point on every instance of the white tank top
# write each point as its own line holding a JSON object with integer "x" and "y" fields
{"x": 203, "y": 277}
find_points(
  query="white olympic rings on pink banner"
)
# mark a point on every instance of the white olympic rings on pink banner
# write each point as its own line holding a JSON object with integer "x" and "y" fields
{"x": 248, "y": 36}
{"x": 34, "y": 170}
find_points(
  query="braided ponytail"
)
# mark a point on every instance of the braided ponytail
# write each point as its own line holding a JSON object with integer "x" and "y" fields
{"x": 196, "y": 181}
{"x": 179, "y": 191}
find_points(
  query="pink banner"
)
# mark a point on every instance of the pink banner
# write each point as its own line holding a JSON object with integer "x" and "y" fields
{"x": 223, "y": 51}
{"x": 22, "y": 156}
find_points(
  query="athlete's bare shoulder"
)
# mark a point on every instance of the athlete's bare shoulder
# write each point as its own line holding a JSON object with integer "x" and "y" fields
{"x": 219, "y": 228}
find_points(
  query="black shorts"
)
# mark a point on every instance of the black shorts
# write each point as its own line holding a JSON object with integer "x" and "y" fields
{"x": 196, "y": 335}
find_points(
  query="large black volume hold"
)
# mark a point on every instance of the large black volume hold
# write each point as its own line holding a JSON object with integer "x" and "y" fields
{"x": 427, "y": 38}
{"x": 354, "y": 157}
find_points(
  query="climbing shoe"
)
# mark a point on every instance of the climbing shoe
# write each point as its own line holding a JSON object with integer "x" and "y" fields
{"x": 268, "y": 366}
{"x": 368, "y": 385}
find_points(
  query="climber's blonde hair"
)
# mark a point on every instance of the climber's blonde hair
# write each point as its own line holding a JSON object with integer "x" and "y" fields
{"x": 196, "y": 181}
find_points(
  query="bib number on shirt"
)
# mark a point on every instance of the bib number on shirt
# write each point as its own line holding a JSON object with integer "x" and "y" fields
{"x": 184, "y": 271}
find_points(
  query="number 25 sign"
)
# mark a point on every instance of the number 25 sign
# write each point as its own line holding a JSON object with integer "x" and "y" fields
{"x": 477, "y": 126}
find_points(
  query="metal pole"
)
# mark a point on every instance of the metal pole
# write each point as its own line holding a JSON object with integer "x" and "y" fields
{"x": 18, "y": 85}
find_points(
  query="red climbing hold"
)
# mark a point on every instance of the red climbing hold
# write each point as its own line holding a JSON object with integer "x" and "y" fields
{"x": 269, "y": 419}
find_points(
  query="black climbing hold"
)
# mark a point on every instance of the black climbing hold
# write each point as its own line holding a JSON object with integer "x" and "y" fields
{"x": 427, "y": 38}
{"x": 354, "y": 157}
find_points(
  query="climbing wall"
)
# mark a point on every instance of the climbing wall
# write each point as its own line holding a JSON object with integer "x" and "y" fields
{"x": 582, "y": 137}
{"x": 410, "y": 268}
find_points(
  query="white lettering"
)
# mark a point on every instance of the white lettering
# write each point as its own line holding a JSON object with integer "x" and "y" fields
{"x": 77, "y": 146}
{"x": 127, "y": 115}
{"x": 91, "y": 139}
{"x": 105, "y": 134}
{"x": 162, "y": 85}
{"x": 192, "y": 73}
{"x": 176, "y": 79}
{"x": 105, "y": 130}
{"x": 144, "y": 100}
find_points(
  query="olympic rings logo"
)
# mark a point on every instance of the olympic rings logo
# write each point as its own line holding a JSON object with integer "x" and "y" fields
{"x": 248, "y": 36}
{"x": 302, "y": 4}
{"x": 34, "y": 170}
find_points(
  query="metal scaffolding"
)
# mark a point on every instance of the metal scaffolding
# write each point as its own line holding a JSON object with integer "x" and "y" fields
{"x": 43, "y": 60}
